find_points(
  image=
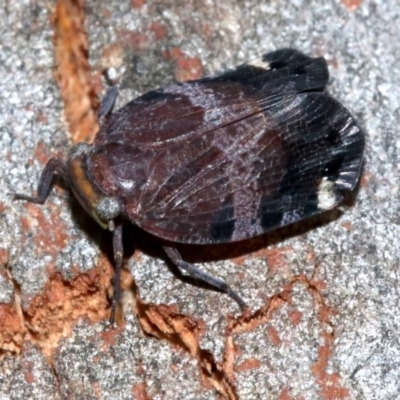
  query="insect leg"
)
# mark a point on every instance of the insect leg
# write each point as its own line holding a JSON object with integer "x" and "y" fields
{"x": 108, "y": 101}
{"x": 196, "y": 273}
{"x": 118, "y": 252}
{"x": 53, "y": 166}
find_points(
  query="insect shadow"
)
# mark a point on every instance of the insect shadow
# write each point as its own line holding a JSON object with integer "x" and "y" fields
{"x": 136, "y": 239}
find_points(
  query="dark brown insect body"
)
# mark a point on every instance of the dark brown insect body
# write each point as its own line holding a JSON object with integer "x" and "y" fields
{"x": 218, "y": 160}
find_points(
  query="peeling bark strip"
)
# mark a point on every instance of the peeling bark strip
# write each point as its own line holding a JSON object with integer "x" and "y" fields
{"x": 52, "y": 314}
{"x": 164, "y": 322}
{"x": 12, "y": 333}
{"x": 73, "y": 72}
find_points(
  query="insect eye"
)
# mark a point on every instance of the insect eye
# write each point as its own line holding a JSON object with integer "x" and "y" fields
{"x": 108, "y": 208}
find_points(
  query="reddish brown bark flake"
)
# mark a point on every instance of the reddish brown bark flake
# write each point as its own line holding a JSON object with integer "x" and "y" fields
{"x": 12, "y": 330}
{"x": 239, "y": 260}
{"x": 230, "y": 354}
{"x": 137, "y": 3}
{"x": 27, "y": 368}
{"x": 285, "y": 395}
{"x": 53, "y": 313}
{"x": 347, "y": 225}
{"x": 50, "y": 235}
{"x": 273, "y": 336}
{"x": 330, "y": 383}
{"x": 276, "y": 258}
{"x": 73, "y": 71}
{"x": 352, "y": 4}
{"x": 134, "y": 41}
{"x": 249, "y": 364}
{"x": 295, "y": 316}
{"x": 249, "y": 322}
{"x": 41, "y": 117}
{"x": 4, "y": 256}
{"x": 140, "y": 391}
{"x": 159, "y": 30}
{"x": 366, "y": 179}
{"x": 41, "y": 153}
{"x": 97, "y": 389}
{"x": 187, "y": 68}
{"x": 110, "y": 337}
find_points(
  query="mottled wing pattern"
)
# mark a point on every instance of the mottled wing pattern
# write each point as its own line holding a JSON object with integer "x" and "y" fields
{"x": 233, "y": 156}
{"x": 180, "y": 112}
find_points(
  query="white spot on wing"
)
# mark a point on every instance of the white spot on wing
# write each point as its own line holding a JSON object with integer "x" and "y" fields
{"x": 126, "y": 184}
{"x": 259, "y": 63}
{"x": 326, "y": 194}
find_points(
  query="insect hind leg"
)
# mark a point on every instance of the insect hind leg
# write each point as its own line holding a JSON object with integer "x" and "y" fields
{"x": 192, "y": 271}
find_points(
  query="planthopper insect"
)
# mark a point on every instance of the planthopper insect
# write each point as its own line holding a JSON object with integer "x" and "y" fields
{"x": 216, "y": 160}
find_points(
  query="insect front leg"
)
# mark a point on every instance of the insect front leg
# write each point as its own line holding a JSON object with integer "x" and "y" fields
{"x": 108, "y": 102}
{"x": 53, "y": 166}
{"x": 192, "y": 271}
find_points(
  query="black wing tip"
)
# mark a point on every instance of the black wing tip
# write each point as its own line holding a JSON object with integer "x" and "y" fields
{"x": 284, "y": 68}
{"x": 352, "y": 139}
{"x": 327, "y": 121}
{"x": 289, "y": 57}
{"x": 290, "y": 65}
{"x": 286, "y": 56}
